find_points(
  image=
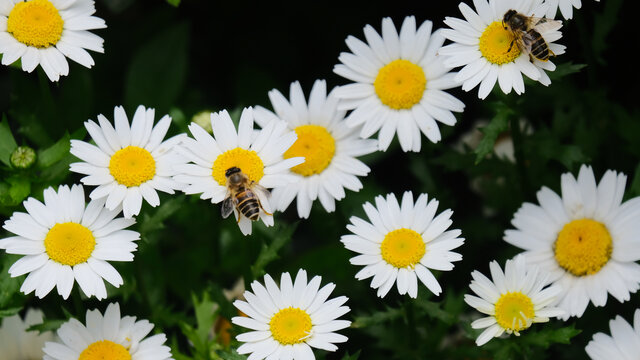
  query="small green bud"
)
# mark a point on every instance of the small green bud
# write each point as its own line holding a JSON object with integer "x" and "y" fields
{"x": 23, "y": 157}
{"x": 203, "y": 118}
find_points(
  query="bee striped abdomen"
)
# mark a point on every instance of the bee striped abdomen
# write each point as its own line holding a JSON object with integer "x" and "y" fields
{"x": 248, "y": 204}
{"x": 539, "y": 47}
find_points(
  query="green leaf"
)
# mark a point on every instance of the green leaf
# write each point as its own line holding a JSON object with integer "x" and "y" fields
{"x": 546, "y": 337}
{"x": 379, "y": 317}
{"x": 155, "y": 222}
{"x": 9, "y": 286}
{"x": 55, "y": 152}
{"x": 10, "y": 311}
{"x": 7, "y": 142}
{"x": 351, "y": 357}
{"x": 206, "y": 313}
{"x": 174, "y": 2}
{"x": 498, "y": 125}
{"x": 231, "y": 355}
{"x": 158, "y": 70}
{"x": 279, "y": 235}
{"x": 47, "y": 325}
{"x": 20, "y": 188}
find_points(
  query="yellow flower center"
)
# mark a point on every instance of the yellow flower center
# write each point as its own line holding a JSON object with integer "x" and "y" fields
{"x": 495, "y": 42}
{"x": 316, "y": 145}
{"x": 35, "y": 23}
{"x": 290, "y": 326}
{"x": 400, "y": 84}
{"x": 105, "y": 350}
{"x": 402, "y": 248}
{"x": 247, "y": 161}
{"x": 132, "y": 166}
{"x": 583, "y": 247}
{"x": 69, "y": 243}
{"x": 514, "y": 311}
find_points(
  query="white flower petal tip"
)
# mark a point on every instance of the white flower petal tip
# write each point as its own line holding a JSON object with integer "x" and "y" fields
{"x": 271, "y": 310}
{"x": 47, "y": 33}
{"x": 222, "y": 164}
{"x": 329, "y": 148}
{"x": 398, "y": 84}
{"x": 520, "y": 287}
{"x": 402, "y": 242}
{"x": 64, "y": 241}
{"x": 478, "y": 47}
{"x": 585, "y": 239}
{"x": 108, "y": 336}
{"x": 130, "y": 161}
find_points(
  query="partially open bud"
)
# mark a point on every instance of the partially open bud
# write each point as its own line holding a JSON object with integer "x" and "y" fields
{"x": 23, "y": 157}
{"x": 203, "y": 118}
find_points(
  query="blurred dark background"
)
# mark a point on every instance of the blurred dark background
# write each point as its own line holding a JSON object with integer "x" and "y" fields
{"x": 213, "y": 55}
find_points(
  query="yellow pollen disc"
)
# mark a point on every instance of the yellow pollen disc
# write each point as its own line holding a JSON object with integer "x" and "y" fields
{"x": 400, "y": 84}
{"x": 495, "y": 42}
{"x": 583, "y": 247}
{"x": 132, "y": 166}
{"x": 290, "y": 326}
{"x": 69, "y": 243}
{"x": 402, "y": 248}
{"x": 105, "y": 350}
{"x": 316, "y": 145}
{"x": 247, "y": 161}
{"x": 35, "y": 23}
{"x": 514, "y": 311}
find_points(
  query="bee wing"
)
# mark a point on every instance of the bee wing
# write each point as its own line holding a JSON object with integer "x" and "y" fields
{"x": 227, "y": 206}
{"x": 543, "y": 25}
{"x": 257, "y": 188}
{"x": 525, "y": 41}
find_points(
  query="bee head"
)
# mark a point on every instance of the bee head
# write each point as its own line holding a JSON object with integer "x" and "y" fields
{"x": 507, "y": 17}
{"x": 232, "y": 170}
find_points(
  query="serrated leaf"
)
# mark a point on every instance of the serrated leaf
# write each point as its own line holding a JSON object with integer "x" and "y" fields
{"x": 565, "y": 69}
{"x": 379, "y": 317}
{"x": 279, "y": 235}
{"x": 546, "y": 337}
{"x": 351, "y": 357}
{"x": 47, "y": 325}
{"x": 206, "y": 312}
{"x": 10, "y": 311}
{"x": 7, "y": 142}
{"x": 498, "y": 125}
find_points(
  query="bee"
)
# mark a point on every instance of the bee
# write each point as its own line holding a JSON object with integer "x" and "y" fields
{"x": 527, "y": 31}
{"x": 242, "y": 194}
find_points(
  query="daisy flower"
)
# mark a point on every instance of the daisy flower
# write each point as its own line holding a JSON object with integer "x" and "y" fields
{"x": 513, "y": 299}
{"x": 624, "y": 342}
{"x": 107, "y": 337}
{"x": 398, "y": 84}
{"x": 485, "y": 49}
{"x": 402, "y": 243}
{"x": 63, "y": 241}
{"x": 286, "y": 322}
{"x": 565, "y": 6}
{"x": 19, "y": 344}
{"x": 587, "y": 239}
{"x": 328, "y": 146}
{"x": 129, "y": 162}
{"x": 46, "y": 32}
{"x": 258, "y": 154}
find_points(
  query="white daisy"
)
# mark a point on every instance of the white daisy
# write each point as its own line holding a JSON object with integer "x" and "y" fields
{"x": 43, "y": 32}
{"x": 328, "y": 146}
{"x": 19, "y": 344}
{"x": 107, "y": 337}
{"x": 513, "y": 300}
{"x": 128, "y": 163}
{"x": 259, "y": 155}
{"x": 587, "y": 239}
{"x": 398, "y": 84}
{"x": 624, "y": 342}
{"x": 288, "y": 321}
{"x": 63, "y": 241}
{"x": 486, "y": 51}
{"x": 565, "y": 6}
{"x": 401, "y": 243}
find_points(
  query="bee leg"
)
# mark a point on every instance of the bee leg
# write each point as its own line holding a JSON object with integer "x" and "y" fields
{"x": 239, "y": 217}
{"x": 510, "y": 46}
{"x": 261, "y": 208}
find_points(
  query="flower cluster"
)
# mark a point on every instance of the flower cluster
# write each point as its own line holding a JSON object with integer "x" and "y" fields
{"x": 578, "y": 247}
